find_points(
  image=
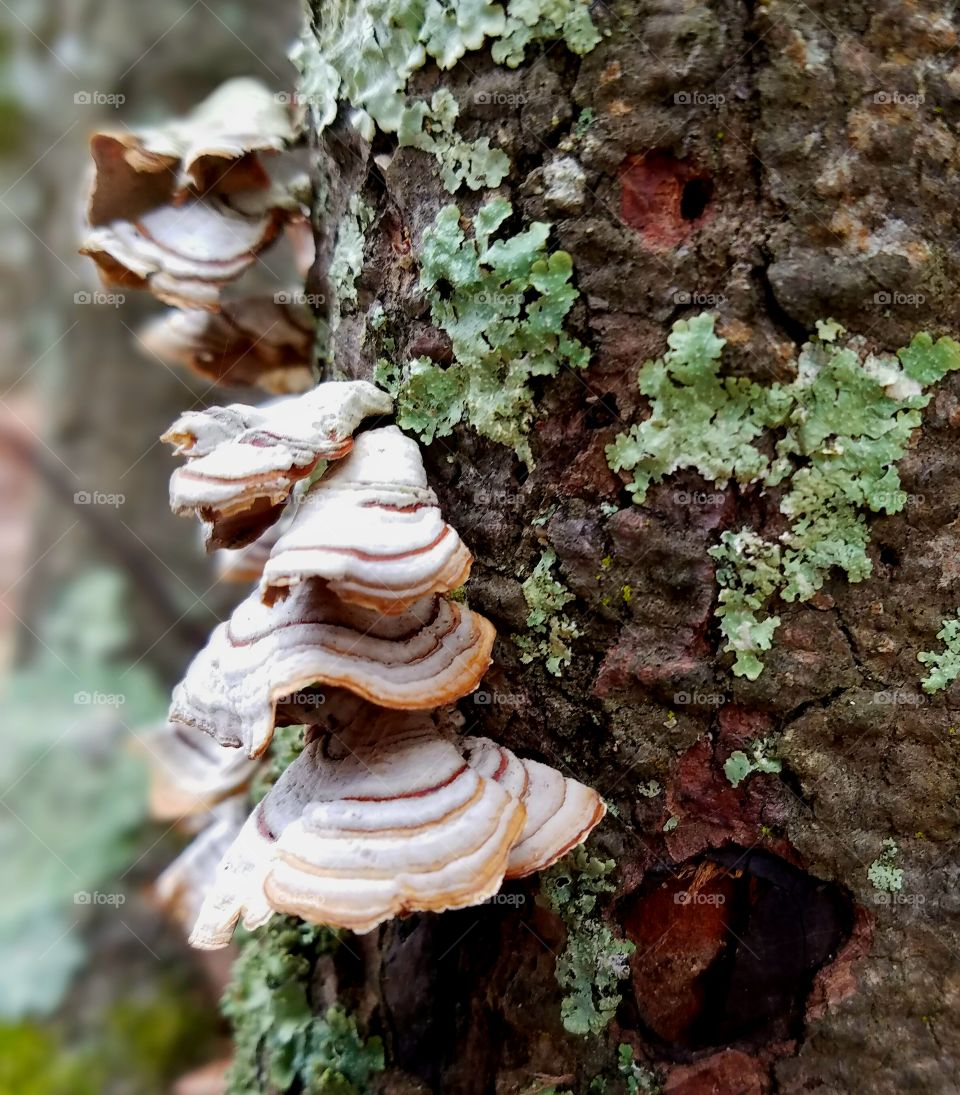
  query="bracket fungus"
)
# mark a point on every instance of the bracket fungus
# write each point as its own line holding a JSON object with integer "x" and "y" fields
{"x": 431, "y": 654}
{"x": 190, "y": 773}
{"x": 368, "y": 823}
{"x": 184, "y": 208}
{"x": 244, "y": 461}
{"x": 182, "y": 887}
{"x": 561, "y": 812}
{"x": 259, "y": 340}
{"x": 372, "y": 528}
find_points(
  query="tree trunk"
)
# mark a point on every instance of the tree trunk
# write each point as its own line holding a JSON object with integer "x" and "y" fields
{"x": 774, "y": 163}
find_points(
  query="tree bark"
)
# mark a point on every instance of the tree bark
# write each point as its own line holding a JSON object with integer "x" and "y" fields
{"x": 777, "y": 163}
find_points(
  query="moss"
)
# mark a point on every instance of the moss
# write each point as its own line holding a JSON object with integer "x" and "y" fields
{"x": 594, "y": 960}
{"x": 279, "y": 1043}
{"x": 845, "y": 422}
{"x": 363, "y": 52}
{"x": 551, "y": 630}
{"x": 503, "y": 304}
{"x": 944, "y": 664}
{"x": 739, "y": 764}
{"x": 883, "y": 873}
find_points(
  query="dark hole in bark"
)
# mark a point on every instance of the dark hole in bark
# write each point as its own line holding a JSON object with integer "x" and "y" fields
{"x": 728, "y": 947}
{"x": 694, "y": 198}
{"x": 889, "y": 556}
{"x": 602, "y": 413}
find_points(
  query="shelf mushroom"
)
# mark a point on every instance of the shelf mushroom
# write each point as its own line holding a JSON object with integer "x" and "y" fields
{"x": 243, "y": 462}
{"x": 431, "y": 654}
{"x": 190, "y": 772}
{"x": 378, "y": 820}
{"x": 372, "y": 528}
{"x": 561, "y": 812}
{"x": 184, "y": 208}
{"x": 259, "y": 340}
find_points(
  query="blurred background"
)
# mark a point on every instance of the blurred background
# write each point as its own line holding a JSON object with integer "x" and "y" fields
{"x": 106, "y": 595}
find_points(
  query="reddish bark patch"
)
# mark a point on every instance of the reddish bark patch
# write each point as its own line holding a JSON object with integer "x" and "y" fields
{"x": 666, "y": 200}
{"x": 728, "y": 1073}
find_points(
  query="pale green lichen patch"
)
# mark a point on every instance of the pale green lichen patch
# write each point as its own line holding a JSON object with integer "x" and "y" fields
{"x": 760, "y": 758}
{"x": 280, "y": 1044}
{"x": 883, "y": 873}
{"x": 551, "y": 630}
{"x": 944, "y": 664}
{"x": 637, "y": 1079}
{"x": 363, "y": 52}
{"x": 346, "y": 261}
{"x": 846, "y": 422}
{"x": 503, "y": 303}
{"x": 594, "y": 960}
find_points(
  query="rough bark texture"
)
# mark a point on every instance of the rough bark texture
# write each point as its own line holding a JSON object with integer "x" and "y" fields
{"x": 795, "y": 193}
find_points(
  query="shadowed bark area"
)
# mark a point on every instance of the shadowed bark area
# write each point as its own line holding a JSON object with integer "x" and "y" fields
{"x": 776, "y": 163}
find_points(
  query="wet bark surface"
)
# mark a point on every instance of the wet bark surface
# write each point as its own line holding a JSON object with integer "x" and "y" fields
{"x": 776, "y": 163}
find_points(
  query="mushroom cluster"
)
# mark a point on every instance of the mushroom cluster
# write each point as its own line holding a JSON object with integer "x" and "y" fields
{"x": 349, "y": 631}
{"x": 183, "y": 210}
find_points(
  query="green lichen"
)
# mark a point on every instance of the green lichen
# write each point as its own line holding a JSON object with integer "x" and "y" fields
{"x": 845, "y": 422}
{"x": 503, "y": 303}
{"x": 280, "y": 1044}
{"x": 638, "y": 1080}
{"x": 594, "y": 960}
{"x": 346, "y": 262}
{"x": 551, "y": 630}
{"x": 883, "y": 873}
{"x": 944, "y": 664}
{"x": 739, "y": 764}
{"x": 469, "y": 163}
{"x": 363, "y": 53}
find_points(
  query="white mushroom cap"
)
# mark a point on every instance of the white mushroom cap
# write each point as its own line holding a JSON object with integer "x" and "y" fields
{"x": 190, "y": 771}
{"x": 372, "y": 528}
{"x": 561, "y": 812}
{"x": 432, "y": 654}
{"x": 377, "y": 820}
{"x": 243, "y": 461}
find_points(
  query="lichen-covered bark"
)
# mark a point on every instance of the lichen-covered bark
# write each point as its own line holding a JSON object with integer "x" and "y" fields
{"x": 776, "y": 163}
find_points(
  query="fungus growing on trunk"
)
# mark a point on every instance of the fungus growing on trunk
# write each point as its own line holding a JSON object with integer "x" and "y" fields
{"x": 372, "y": 528}
{"x": 243, "y": 462}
